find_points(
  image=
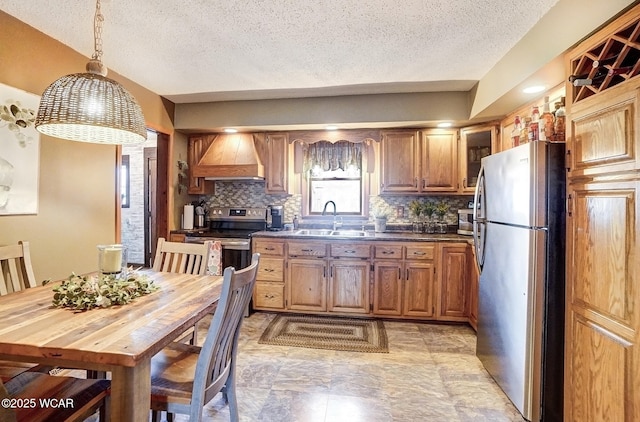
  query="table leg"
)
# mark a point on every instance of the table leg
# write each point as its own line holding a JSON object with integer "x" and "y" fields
{"x": 131, "y": 392}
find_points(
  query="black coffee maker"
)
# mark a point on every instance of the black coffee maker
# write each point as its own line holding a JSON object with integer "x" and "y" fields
{"x": 275, "y": 217}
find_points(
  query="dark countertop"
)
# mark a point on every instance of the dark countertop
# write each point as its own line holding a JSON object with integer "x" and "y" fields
{"x": 370, "y": 235}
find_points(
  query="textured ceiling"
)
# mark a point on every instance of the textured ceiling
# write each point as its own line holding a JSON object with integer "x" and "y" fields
{"x": 206, "y": 50}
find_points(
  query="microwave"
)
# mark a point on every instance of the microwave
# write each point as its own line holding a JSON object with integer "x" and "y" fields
{"x": 465, "y": 222}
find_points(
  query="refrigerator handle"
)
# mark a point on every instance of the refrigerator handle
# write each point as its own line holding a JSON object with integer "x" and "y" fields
{"x": 478, "y": 219}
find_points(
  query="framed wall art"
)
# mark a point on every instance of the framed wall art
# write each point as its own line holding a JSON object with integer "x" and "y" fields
{"x": 19, "y": 152}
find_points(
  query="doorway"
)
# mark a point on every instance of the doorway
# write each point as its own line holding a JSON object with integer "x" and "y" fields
{"x": 138, "y": 212}
{"x": 150, "y": 201}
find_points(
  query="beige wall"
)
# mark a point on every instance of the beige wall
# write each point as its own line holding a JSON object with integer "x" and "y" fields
{"x": 77, "y": 193}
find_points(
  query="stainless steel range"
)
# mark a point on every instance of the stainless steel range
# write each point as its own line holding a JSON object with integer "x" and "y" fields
{"x": 233, "y": 227}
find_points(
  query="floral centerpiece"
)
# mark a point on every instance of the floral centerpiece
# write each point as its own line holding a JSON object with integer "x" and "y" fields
{"x": 82, "y": 293}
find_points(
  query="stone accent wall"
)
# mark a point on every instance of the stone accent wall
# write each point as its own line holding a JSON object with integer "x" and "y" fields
{"x": 132, "y": 229}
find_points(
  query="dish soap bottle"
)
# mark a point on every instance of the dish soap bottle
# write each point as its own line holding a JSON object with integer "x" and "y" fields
{"x": 295, "y": 222}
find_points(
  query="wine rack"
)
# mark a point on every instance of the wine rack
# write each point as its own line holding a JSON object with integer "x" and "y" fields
{"x": 617, "y": 57}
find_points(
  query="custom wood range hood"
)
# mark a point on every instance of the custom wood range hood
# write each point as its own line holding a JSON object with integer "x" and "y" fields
{"x": 229, "y": 157}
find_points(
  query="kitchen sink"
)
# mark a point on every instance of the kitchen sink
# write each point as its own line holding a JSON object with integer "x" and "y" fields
{"x": 314, "y": 232}
{"x": 349, "y": 233}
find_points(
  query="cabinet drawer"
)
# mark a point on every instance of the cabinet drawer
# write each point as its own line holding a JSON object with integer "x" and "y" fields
{"x": 415, "y": 252}
{"x": 388, "y": 251}
{"x": 271, "y": 269}
{"x": 266, "y": 247}
{"x": 268, "y": 295}
{"x": 307, "y": 249}
{"x": 177, "y": 237}
{"x": 350, "y": 251}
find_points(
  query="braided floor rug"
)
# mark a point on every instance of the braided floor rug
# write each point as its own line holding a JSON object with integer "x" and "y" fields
{"x": 333, "y": 333}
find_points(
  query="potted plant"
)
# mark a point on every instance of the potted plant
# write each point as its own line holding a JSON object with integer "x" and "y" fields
{"x": 380, "y": 220}
{"x": 428, "y": 209}
{"x": 441, "y": 209}
{"x": 416, "y": 207}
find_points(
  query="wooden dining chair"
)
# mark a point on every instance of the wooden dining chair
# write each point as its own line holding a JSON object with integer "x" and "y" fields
{"x": 48, "y": 398}
{"x": 183, "y": 258}
{"x": 185, "y": 377}
{"x": 16, "y": 274}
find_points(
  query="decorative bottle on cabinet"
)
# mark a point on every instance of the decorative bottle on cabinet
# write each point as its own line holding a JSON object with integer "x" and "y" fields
{"x": 558, "y": 126}
{"x": 546, "y": 122}
{"x": 534, "y": 126}
{"x": 524, "y": 133}
{"x": 515, "y": 133}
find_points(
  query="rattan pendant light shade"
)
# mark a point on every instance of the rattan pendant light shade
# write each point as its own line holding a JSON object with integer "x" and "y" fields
{"x": 89, "y": 107}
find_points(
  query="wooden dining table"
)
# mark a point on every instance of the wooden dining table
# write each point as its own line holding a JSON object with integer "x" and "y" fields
{"x": 119, "y": 339}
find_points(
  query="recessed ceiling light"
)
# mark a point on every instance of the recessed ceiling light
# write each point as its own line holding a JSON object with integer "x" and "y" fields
{"x": 444, "y": 124}
{"x": 331, "y": 127}
{"x": 231, "y": 130}
{"x": 533, "y": 89}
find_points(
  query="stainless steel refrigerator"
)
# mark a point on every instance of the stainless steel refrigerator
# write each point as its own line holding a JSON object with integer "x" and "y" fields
{"x": 519, "y": 232}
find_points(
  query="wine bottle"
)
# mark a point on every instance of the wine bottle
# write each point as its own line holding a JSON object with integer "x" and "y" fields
{"x": 605, "y": 61}
{"x": 620, "y": 70}
{"x": 572, "y": 78}
{"x": 585, "y": 79}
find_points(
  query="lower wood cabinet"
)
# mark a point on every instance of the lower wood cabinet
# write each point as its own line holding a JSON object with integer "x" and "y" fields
{"x": 387, "y": 288}
{"x": 404, "y": 280}
{"x": 269, "y": 292}
{"x": 349, "y": 286}
{"x": 452, "y": 304}
{"x": 417, "y": 280}
{"x": 419, "y": 290}
{"x": 307, "y": 284}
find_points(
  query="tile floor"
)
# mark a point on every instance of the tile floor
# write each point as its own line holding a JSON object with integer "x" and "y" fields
{"x": 430, "y": 374}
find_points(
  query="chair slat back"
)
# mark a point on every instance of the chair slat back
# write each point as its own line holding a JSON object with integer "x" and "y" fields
{"x": 220, "y": 346}
{"x": 183, "y": 258}
{"x": 16, "y": 272}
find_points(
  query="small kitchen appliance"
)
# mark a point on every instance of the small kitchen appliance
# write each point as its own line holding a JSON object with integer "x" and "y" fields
{"x": 465, "y": 222}
{"x": 275, "y": 217}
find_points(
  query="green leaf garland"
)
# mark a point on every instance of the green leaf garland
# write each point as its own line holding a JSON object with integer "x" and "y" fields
{"x": 87, "y": 292}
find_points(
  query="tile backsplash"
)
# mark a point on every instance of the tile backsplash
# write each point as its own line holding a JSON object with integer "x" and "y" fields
{"x": 252, "y": 194}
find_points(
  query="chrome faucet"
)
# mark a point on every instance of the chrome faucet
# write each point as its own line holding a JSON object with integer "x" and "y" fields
{"x": 336, "y": 223}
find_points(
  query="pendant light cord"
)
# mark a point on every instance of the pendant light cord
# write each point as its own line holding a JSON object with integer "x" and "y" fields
{"x": 97, "y": 33}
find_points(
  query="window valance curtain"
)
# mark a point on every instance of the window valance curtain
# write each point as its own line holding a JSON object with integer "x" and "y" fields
{"x": 333, "y": 156}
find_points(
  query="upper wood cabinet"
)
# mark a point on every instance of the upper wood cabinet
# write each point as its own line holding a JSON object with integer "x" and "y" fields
{"x": 475, "y": 143}
{"x": 400, "y": 166}
{"x": 439, "y": 161}
{"x": 276, "y": 166}
{"x": 419, "y": 161}
{"x": 197, "y": 145}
